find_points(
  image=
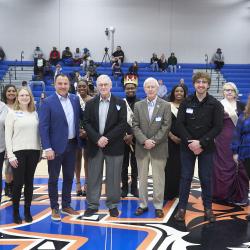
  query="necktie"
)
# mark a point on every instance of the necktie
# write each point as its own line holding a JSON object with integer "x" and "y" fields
{"x": 150, "y": 109}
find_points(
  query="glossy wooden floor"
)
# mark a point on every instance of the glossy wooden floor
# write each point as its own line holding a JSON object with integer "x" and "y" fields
{"x": 230, "y": 231}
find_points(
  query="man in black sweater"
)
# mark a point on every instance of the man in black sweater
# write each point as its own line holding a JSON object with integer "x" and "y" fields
{"x": 199, "y": 121}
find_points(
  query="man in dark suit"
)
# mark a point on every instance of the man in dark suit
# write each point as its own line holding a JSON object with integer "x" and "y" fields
{"x": 59, "y": 126}
{"x": 104, "y": 120}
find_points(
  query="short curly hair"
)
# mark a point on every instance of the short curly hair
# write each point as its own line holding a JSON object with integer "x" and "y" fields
{"x": 201, "y": 75}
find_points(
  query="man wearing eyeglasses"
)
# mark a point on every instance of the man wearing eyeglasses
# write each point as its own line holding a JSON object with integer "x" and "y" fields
{"x": 199, "y": 121}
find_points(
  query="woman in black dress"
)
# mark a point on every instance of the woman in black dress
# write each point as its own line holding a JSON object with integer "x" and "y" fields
{"x": 173, "y": 166}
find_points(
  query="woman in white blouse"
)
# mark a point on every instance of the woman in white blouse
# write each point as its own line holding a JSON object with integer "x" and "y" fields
{"x": 23, "y": 150}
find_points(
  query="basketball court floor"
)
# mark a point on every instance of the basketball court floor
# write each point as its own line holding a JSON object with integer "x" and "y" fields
{"x": 230, "y": 231}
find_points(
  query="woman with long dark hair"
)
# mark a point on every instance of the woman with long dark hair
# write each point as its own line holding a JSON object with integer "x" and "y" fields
{"x": 173, "y": 166}
{"x": 9, "y": 96}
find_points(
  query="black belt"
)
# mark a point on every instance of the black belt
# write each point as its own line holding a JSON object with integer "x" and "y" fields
{"x": 72, "y": 140}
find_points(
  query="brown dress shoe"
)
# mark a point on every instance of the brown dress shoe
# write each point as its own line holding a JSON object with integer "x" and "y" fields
{"x": 209, "y": 215}
{"x": 159, "y": 213}
{"x": 180, "y": 215}
{"x": 55, "y": 214}
{"x": 69, "y": 211}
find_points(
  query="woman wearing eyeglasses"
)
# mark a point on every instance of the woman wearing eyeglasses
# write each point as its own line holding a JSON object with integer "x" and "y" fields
{"x": 230, "y": 181}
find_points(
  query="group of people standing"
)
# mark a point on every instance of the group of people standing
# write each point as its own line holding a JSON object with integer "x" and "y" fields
{"x": 167, "y": 135}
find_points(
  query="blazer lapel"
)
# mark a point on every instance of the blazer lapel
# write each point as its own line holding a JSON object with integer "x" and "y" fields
{"x": 59, "y": 105}
{"x": 96, "y": 110}
{"x": 110, "y": 111}
{"x": 156, "y": 109}
{"x": 145, "y": 109}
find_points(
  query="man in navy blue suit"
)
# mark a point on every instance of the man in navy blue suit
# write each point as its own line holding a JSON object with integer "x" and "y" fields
{"x": 59, "y": 130}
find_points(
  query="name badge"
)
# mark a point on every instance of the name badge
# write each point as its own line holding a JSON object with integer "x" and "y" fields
{"x": 189, "y": 111}
{"x": 19, "y": 114}
{"x": 158, "y": 119}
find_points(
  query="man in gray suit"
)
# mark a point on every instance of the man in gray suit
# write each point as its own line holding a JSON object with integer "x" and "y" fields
{"x": 151, "y": 124}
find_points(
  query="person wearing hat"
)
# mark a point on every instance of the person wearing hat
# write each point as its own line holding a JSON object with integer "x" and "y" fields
{"x": 130, "y": 87}
{"x": 218, "y": 59}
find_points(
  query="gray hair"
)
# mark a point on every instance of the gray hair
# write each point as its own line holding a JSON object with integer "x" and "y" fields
{"x": 103, "y": 78}
{"x": 231, "y": 84}
{"x": 150, "y": 80}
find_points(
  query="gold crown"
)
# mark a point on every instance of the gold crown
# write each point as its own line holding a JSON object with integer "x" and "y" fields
{"x": 131, "y": 78}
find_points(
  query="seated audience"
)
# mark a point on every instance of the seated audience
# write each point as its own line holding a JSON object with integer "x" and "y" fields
{"x": 163, "y": 63}
{"x": 154, "y": 62}
{"x": 116, "y": 69}
{"x": 218, "y": 59}
{"x": 2, "y": 54}
{"x": 67, "y": 57}
{"x": 77, "y": 57}
{"x": 86, "y": 57}
{"x": 162, "y": 91}
{"x": 37, "y": 52}
{"x": 48, "y": 71}
{"x": 182, "y": 84}
{"x": 58, "y": 70}
{"x": 172, "y": 63}
{"x": 118, "y": 54}
{"x": 133, "y": 69}
{"x": 39, "y": 65}
{"x": 91, "y": 69}
{"x": 54, "y": 56}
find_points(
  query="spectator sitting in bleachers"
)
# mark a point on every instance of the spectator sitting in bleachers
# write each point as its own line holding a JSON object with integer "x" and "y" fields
{"x": 2, "y": 54}
{"x": 39, "y": 64}
{"x": 67, "y": 57}
{"x": 77, "y": 57}
{"x": 183, "y": 85}
{"x": 163, "y": 63}
{"x": 47, "y": 71}
{"x": 218, "y": 59}
{"x": 24, "y": 84}
{"x": 54, "y": 56}
{"x": 58, "y": 70}
{"x": 91, "y": 68}
{"x": 116, "y": 69}
{"x": 38, "y": 80}
{"x": 118, "y": 54}
{"x": 162, "y": 91}
{"x": 133, "y": 69}
{"x": 41, "y": 101}
{"x": 154, "y": 62}
{"x": 172, "y": 63}
{"x": 37, "y": 52}
{"x": 86, "y": 57}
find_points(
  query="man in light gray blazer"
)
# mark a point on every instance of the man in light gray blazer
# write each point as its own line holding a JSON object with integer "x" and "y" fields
{"x": 151, "y": 124}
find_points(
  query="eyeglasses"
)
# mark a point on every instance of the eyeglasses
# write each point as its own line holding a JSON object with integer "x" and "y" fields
{"x": 201, "y": 81}
{"x": 229, "y": 90}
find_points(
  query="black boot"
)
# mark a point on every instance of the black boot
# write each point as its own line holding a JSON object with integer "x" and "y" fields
{"x": 11, "y": 184}
{"x": 6, "y": 189}
{"x": 27, "y": 214}
{"x": 16, "y": 216}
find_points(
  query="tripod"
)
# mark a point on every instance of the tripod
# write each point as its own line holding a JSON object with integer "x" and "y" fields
{"x": 106, "y": 57}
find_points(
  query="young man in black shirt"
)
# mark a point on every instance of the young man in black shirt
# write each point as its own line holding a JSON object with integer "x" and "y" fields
{"x": 199, "y": 120}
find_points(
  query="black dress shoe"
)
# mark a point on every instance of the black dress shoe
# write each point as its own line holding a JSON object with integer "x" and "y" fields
{"x": 113, "y": 212}
{"x": 139, "y": 211}
{"x": 27, "y": 215}
{"x": 16, "y": 218}
{"x": 180, "y": 215}
{"x": 135, "y": 193}
{"x": 124, "y": 193}
{"x": 209, "y": 215}
{"x": 89, "y": 212}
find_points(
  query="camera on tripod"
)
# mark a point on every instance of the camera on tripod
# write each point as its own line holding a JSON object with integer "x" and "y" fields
{"x": 106, "y": 49}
